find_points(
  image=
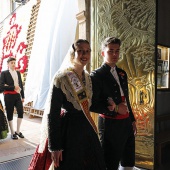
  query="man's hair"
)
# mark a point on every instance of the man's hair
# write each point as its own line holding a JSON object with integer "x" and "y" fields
{"x": 11, "y": 59}
{"x": 110, "y": 40}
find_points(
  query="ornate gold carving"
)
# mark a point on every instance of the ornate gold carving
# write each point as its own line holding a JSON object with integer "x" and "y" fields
{"x": 134, "y": 23}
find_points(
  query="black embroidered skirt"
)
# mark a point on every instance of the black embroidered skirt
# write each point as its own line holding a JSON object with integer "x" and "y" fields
{"x": 82, "y": 149}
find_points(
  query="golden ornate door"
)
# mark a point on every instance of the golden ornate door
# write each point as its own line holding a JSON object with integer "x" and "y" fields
{"x": 134, "y": 23}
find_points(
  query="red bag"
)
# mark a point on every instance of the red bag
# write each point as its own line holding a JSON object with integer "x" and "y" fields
{"x": 41, "y": 161}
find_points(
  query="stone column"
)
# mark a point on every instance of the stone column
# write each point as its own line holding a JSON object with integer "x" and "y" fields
{"x": 83, "y": 18}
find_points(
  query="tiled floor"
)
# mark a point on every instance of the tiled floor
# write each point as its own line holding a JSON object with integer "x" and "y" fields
{"x": 13, "y": 149}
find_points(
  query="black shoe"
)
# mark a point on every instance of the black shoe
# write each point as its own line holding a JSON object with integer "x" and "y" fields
{"x": 14, "y": 136}
{"x": 19, "y": 134}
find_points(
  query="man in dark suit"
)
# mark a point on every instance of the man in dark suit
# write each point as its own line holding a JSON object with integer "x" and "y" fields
{"x": 110, "y": 97}
{"x": 11, "y": 84}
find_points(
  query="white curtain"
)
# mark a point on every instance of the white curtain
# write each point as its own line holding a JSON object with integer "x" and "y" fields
{"x": 55, "y": 32}
{"x": 4, "y": 12}
{"x": 4, "y": 9}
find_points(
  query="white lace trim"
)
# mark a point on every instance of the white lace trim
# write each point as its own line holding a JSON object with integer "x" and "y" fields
{"x": 60, "y": 81}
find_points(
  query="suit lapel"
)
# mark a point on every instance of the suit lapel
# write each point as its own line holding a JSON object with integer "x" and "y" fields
{"x": 121, "y": 76}
{"x": 122, "y": 81}
{"x": 108, "y": 74}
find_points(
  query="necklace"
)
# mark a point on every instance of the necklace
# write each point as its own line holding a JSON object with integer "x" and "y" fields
{"x": 81, "y": 77}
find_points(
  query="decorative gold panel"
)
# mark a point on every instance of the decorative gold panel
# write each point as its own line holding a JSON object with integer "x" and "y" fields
{"x": 134, "y": 23}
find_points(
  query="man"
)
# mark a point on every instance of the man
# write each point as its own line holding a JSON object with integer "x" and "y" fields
{"x": 11, "y": 83}
{"x": 116, "y": 124}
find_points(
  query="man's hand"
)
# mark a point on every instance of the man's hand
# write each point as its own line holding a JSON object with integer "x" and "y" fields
{"x": 17, "y": 88}
{"x": 56, "y": 157}
{"x": 122, "y": 108}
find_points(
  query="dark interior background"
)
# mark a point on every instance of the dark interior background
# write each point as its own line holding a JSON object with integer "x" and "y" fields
{"x": 163, "y": 38}
{"x": 163, "y": 102}
{"x": 163, "y": 22}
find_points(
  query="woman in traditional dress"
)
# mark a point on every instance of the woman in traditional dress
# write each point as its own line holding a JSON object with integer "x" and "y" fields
{"x": 72, "y": 136}
{"x": 3, "y": 123}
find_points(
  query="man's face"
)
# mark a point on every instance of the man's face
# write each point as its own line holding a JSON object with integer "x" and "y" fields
{"x": 11, "y": 65}
{"x": 111, "y": 54}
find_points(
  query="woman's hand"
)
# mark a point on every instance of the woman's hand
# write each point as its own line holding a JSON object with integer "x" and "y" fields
{"x": 111, "y": 103}
{"x": 56, "y": 156}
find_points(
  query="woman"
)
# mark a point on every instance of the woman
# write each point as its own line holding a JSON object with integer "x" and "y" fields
{"x": 74, "y": 144}
{"x": 72, "y": 135}
{"x": 3, "y": 123}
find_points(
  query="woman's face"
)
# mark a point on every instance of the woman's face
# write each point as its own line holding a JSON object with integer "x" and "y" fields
{"x": 82, "y": 54}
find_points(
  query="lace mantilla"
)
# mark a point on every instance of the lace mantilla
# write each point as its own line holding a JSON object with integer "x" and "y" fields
{"x": 61, "y": 81}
